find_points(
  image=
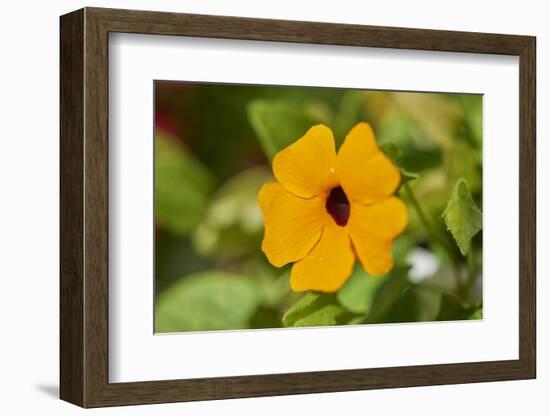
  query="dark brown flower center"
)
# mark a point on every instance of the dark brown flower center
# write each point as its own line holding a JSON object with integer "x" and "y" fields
{"x": 337, "y": 206}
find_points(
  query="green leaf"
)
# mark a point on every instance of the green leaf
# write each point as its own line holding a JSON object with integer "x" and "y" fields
{"x": 278, "y": 123}
{"x": 477, "y": 314}
{"x": 388, "y": 293}
{"x": 212, "y": 300}
{"x": 315, "y": 309}
{"x": 182, "y": 186}
{"x": 462, "y": 216}
{"x": 407, "y": 176}
{"x": 359, "y": 292}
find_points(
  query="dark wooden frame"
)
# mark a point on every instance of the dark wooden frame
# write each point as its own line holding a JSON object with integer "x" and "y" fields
{"x": 84, "y": 207}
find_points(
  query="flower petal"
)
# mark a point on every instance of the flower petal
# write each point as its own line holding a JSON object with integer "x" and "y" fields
{"x": 373, "y": 228}
{"x": 365, "y": 173}
{"x": 305, "y": 167}
{"x": 293, "y": 225}
{"x": 327, "y": 267}
{"x": 375, "y": 255}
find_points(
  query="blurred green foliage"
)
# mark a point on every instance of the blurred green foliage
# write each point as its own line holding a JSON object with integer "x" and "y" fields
{"x": 176, "y": 170}
{"x": 207, "y": 300}
{"x": 213, "y": 146}
{"x": 278, "y": 123}
{"x": 232, "y": 223}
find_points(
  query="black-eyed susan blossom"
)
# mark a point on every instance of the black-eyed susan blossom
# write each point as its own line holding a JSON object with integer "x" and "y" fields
{"x": 327, "y": 208}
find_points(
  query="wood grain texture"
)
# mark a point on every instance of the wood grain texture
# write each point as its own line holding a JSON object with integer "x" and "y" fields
{"x": 225, "y": 27}
{"x": 96, "y": 208}
{"x": 71, "y": 100}
{"x": 527, "y": 208}
{"x": 84, "y": 207}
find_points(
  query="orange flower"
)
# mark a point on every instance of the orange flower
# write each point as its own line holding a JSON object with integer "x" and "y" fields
{"x": 326, "y": 208}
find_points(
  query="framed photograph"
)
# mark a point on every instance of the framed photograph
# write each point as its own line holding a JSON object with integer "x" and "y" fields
{"x": 264, "y": 207}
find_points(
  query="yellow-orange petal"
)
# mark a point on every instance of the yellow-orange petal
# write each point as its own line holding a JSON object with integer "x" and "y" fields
{"x": 327, "y": 267}
{"x": 372, "y": 229}
{"x": 293, "y": 225}
{"x": 306, "y": 166}
{"x": 365, "y": 173}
